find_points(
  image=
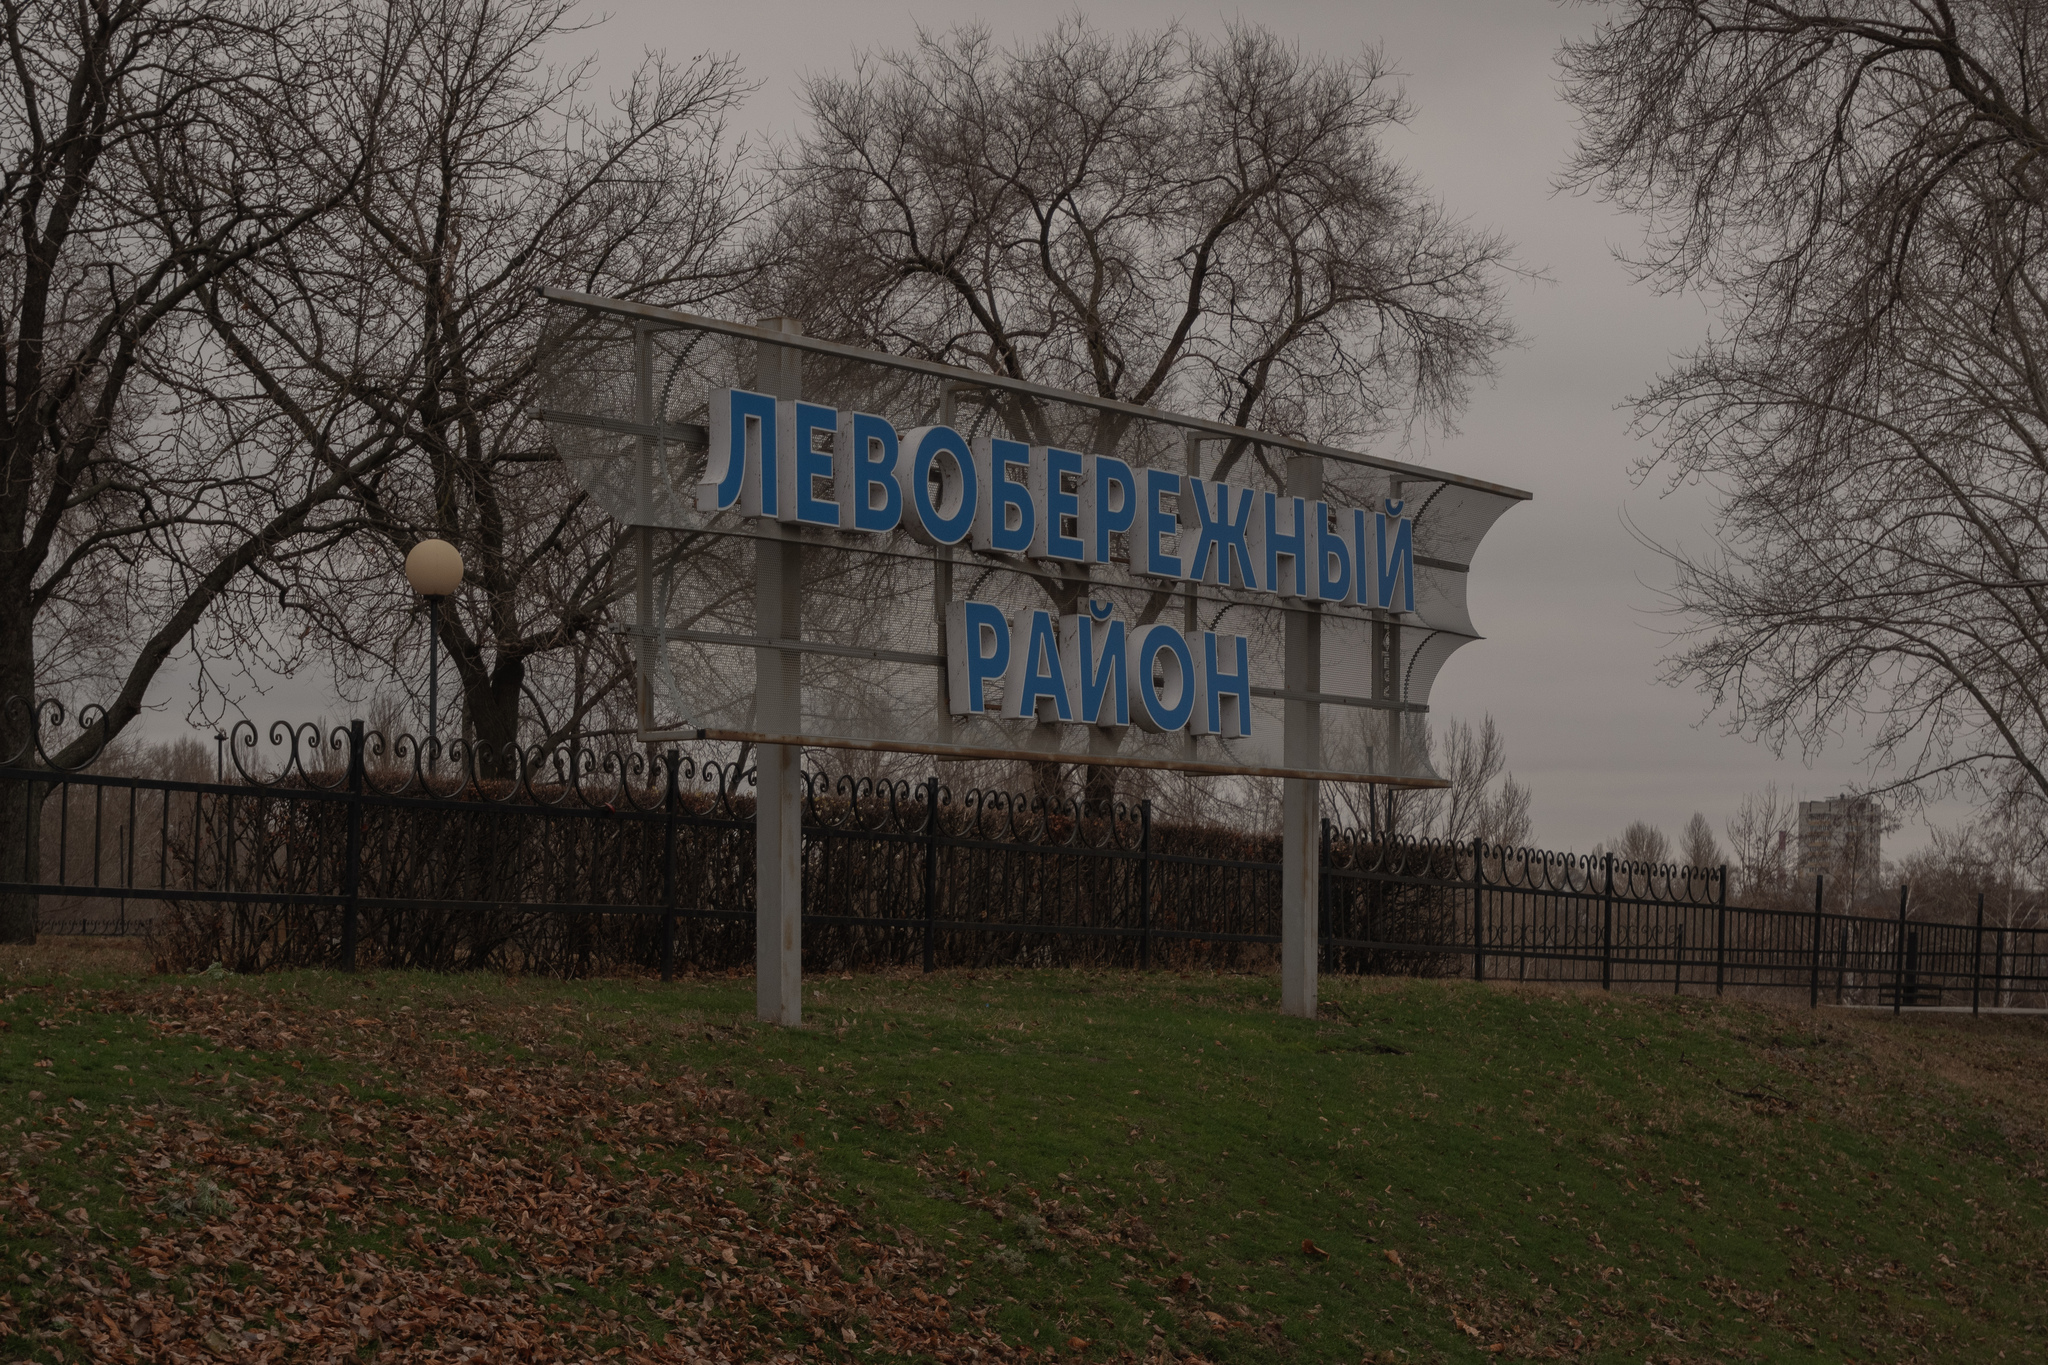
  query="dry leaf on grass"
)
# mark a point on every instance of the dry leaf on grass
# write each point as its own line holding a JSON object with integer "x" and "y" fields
{"x": 435, "y": 1230}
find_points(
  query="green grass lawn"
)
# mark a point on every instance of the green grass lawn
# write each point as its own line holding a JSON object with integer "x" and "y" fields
{"x": 1167, "y": 1166}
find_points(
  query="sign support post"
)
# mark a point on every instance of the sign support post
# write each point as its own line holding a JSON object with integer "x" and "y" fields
{"x": 1300, "y": 797}
{"x": 643, "y": 532}
{"x": 942, "y": 569}
{"x": 1309, "y": 577}
{"x": 778, "y": 701}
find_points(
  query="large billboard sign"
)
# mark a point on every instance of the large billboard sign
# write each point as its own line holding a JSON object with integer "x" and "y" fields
{"x": 841, "y": 548}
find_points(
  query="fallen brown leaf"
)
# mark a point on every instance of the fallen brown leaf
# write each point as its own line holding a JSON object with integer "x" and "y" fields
{"x": 484, "y": 1193}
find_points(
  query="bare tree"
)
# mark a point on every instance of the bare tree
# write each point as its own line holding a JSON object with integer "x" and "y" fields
{"x": 1860, "y": 187}
{"x": 1759, "y": 839}
{"x": 1697, "y": 846}
{"x": 1164, "y": 220}
{"x": 153, "y": 146}
{"x": 1507, "y": 819}
{"x": 414, "y": 321}
{"x": 1643, "y": 842}
{"x": 1949, "y": 873}
{"x": 1484, "y": 800}
{"x": 1204, "y": 226}
{"x": 2010, "y": 842}
{"x": 1998, "y": 859}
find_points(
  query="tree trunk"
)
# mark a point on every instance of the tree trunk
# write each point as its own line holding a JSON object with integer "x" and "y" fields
{"x": 1098, "y": 789}
{"x": 20, "y": 846}
{"x": 494, "y": 719}
{"x": 1049, "y": 785}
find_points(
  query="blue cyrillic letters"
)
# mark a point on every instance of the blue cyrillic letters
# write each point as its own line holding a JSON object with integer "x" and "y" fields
{"x": 940, "y": 453}
{"x": 864, "y": 474}
{"x": 1109, "y": 504}
{"x": 1282, "y": 554}
{"x": 1093, "y": 653}
{"x": 1333, "y": 559}
{"x": 1162, "y": 678}
{"x": 803, "y": 464}
{"x": 1395, "y": 536}
{"x": 1035, "y": 686}
{"x": 1226, "y": 709}
{"x": 1005, "y": 520}
{"x": 1159, "y": 523}
{"x": 742, "y": 438}
{"x": 1223, "y": 516}
{"x": 1058, "y": 504}
{"x": 977, "y": 653}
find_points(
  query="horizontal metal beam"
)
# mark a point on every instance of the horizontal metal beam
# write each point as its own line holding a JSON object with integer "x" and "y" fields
{"x": 720, "y": 637}
{"x": 899, "y": 656}
{"x": 642, "y": 312}
{"x": 895, "y": 746}
{"x": 682, "y": 433}
{"x": 1339, "y": 699}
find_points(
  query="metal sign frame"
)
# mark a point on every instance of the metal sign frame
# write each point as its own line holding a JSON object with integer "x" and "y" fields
{"x": 1387, "y": 648}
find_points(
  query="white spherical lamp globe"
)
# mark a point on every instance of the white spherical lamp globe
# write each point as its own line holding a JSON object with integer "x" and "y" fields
{"x": 434, "y": 568}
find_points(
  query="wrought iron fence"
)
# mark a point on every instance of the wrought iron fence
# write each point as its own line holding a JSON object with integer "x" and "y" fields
{"x": 339, "y": 847}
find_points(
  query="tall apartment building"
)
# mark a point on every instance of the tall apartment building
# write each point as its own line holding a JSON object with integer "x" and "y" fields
{"x": 1839, "y": 839}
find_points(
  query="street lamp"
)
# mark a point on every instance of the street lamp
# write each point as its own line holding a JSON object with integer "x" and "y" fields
{"x": 434, "y": 568}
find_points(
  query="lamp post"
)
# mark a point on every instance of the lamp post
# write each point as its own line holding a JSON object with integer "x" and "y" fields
{"x": 434, "y": 568}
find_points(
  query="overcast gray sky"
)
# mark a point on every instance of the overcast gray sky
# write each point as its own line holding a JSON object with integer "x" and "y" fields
{"x": 1566, "y": 595}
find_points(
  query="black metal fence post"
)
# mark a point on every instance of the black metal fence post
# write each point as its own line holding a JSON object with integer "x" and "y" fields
{"x": 1721, "y": 934}
{"x": 1478, "y": 909}
{"x": 1145, "y": 883}
{"x": 1841, "y": 959}
{"x": 1899, "y": 959}
{"x": 352, "y": 864}
{"x": 1813, "y": 984}
{"x": 1998, "y": 972}
{"x": 669, "y": 887}
{"x": 931, "y": 871}
{"x": 1977, "y": 957}
{"x": 1323, "y": 960}
{"x": 1678, "y": 969}
{"x": 1607, "y": 927}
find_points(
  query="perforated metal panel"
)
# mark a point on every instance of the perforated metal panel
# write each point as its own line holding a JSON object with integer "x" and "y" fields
{"x": 757, "y": 630}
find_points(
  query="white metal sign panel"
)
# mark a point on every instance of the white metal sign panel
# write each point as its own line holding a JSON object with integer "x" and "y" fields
{"x": 843, "y": 548}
